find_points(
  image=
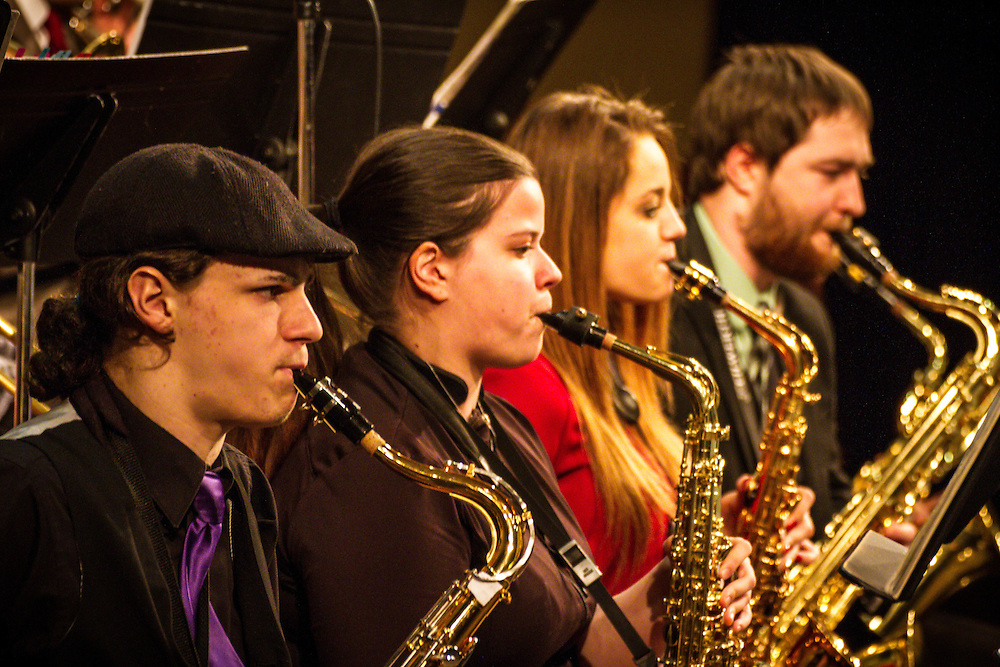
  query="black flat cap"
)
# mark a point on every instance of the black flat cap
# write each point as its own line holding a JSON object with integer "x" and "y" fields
{"x": 208, "y": 199}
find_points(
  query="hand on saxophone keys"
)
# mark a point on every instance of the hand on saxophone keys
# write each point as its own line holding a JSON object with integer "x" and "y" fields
{"x": 799, "y": 529}
{"x": 903, "y": 532}
{"x": 736, "y": 570}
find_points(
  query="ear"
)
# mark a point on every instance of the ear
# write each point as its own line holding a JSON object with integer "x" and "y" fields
{"x": 742, "y": 168}
{"x": 429, "y": 269}
{"x": 152, "y": 298}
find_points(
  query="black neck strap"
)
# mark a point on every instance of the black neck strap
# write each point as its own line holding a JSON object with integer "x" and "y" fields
{"x": 395, "y": 359}
{"x": 749, "y": 407}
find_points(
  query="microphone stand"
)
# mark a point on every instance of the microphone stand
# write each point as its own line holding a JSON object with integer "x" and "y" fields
{"x": 25, "y": 303}
{"x": 307, "y": 14}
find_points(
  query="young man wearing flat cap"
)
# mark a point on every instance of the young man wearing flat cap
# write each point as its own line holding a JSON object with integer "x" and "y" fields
{"x": 131, "y": 532}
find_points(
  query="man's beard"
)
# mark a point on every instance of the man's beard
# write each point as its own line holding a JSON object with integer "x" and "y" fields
{"x": 786, "y": 249}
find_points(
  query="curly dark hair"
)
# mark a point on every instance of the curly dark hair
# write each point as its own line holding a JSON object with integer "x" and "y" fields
{"x": 75, "y": 332}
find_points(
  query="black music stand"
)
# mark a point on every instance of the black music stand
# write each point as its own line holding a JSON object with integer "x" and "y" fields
{"x": 64, "y": 122}
{"x": 488, "y": 89}
{"x": 8, "y": 17}
{"x": 893, "y": 571}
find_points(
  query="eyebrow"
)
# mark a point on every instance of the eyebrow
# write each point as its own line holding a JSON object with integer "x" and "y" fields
{"x": 531, "y": 234}
{"x": 292, "y": 274}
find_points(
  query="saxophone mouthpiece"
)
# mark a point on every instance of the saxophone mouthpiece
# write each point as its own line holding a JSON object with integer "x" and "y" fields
{"x": 861, "y": 247}
{"x": 332, "y": 405}
{"x": 697, "y": 281}
{"x": 577, "y": 325}
{"x": 677, "y": 266}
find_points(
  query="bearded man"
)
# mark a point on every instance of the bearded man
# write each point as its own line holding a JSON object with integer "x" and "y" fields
{"x": 779, "y": 143}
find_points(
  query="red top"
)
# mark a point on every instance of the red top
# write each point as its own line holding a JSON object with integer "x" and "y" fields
{"x": 537, "y": 391}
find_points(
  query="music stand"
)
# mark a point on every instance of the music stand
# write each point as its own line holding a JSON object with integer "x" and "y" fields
{"x": 489, "y": 87}
{"x": 64, "y": 122}
{"x": 893, "y": 571}
{"x": 8, "y": 17}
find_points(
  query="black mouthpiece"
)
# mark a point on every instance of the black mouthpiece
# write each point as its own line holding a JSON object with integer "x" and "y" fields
{"x": 576, "y": 325}
{"x": 861, "y": 247}
{"x": 697, "y": 281}
{"x": 333, "y": 405}
{"x": 677, "y": 266}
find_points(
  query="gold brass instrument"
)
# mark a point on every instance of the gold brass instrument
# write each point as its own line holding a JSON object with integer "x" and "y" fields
{"x": 695, "y": 634}
{"x": 445, "y": 635}
{"x": 975, "y": 552}
{"x": 819, "y": 597}
{"x": 7, "y": 383}
{"x": 103, "y": 30}
{"x": 773, "y": 491}
{"x": 925, "y": 380}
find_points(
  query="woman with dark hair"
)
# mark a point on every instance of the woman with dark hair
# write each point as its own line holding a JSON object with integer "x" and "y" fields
{"x": 451, "y": 277}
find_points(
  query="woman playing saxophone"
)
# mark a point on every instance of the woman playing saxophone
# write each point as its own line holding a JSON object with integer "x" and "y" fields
{"x": 452, "y": 278}
{"x": 606, "y": 169}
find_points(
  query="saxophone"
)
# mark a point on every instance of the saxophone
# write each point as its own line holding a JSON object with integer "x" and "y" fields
{"x": 695, "y": 634}
{"x": 926, "y": 380}
{"x": 773, "y": 493}
{"x": 973, "y": 553}
{"x": 819, "y": 598}
{"x": 445, "y": 634}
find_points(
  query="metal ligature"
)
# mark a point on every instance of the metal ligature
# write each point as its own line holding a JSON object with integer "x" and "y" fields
{"x": 695, "y": 633}
{"x": 773, "y": 492}
{"x": 445, "y": 635}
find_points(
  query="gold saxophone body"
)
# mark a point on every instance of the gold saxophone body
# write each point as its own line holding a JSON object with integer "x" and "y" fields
{"x": 976, "y": 551}
{"x": 819, "y": 598}
{"x": 773, "y": 492}
{"x": 915, "y": 405}
{"x": 9, "y": 384}
{"x": 445, "y": 635}
{"x": 695, "y": 633}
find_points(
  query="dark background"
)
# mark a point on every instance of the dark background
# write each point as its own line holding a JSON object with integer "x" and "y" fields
{"x": 932, "y": 195}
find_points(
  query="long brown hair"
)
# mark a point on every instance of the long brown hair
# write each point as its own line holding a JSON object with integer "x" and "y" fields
{"x": 581, "y": 144}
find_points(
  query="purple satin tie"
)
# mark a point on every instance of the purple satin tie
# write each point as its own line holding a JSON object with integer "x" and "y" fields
{"x": 199, "y": 548}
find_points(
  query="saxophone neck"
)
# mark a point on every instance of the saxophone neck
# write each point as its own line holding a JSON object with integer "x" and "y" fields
{"x": 511, "y": 526}
{"x": 966, "y": 306}
{"x": 580, "y": 327}
{"x": 798, "y": 354}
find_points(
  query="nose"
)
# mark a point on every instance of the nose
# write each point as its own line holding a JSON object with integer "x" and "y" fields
{"x": 300, "y": 322}
{"x": 853, "y": 197}
{"x": 548, "y": 274}
{"x": 672, "y": 227}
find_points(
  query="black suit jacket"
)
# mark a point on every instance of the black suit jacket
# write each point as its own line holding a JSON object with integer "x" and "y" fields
{"x": 96, "y": 592}
{"x": 694, "y": 334}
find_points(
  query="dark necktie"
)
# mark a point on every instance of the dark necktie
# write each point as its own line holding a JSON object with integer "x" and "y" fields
{"x": 762, "y": 370}
{"x": 199, "y": 548}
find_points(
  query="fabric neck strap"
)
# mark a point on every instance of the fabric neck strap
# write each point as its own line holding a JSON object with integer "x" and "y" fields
{"x": 394, "y": 359}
